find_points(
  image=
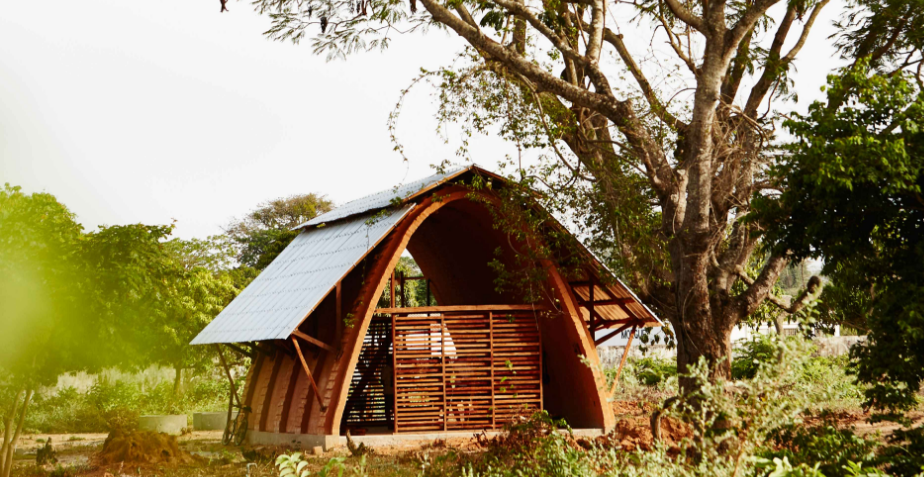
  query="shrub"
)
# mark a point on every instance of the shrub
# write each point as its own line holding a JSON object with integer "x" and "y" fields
{"x": 825, "y": 447}
{"x": 116, "y": 404}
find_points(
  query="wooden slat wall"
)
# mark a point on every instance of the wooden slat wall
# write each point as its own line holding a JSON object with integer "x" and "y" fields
{"x": 517, "y": 366}
{"x": 366, "y": 401}
{"x": 466, "y": 370}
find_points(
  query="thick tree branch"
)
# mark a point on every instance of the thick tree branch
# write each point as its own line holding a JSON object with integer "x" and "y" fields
{"x": 760, "y": 289}
{"x": 685, "y": 15}
{"x": 656, "y": 106}
{"x": 595, "y": 41}
{"x": 600, "y": 81}
{"x": 745, "y": 24}
{"x": 798, "y": 304}
{"x": 805, "y": 31}
{"x": 776, "y": 64}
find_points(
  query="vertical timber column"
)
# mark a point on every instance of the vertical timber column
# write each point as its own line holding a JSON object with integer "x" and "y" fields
{"x": 491, "y": 360}
{"x": 394, "y": 373}
{"x": 442, "y": 363}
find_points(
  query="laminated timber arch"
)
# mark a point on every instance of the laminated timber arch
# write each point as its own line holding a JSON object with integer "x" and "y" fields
{"x": 582, "y": 400}
{"x": 307, "y": 315}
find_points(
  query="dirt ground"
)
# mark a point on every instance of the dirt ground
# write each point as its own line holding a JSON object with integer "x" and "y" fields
{"x": 204, "y": 455}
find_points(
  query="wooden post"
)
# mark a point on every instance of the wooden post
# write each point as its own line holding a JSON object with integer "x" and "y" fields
{"x": 339, "y": 313}
{"x": 622, "y": 362}
{"x": 314, "y": 385}
{"x": 443, "y": 366}
{"x": 394, "y": 373}
{"x": 491, "y": 343}
{"x": 221, "y": 359}
{"x": 591, "y": 310}
{"x": 403, "y": 291}
{"x": 391, "y": 285}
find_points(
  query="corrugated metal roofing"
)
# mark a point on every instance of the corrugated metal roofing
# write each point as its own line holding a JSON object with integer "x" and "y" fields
{"x": 385, "y": 198}
{"x": 294, "y": 284}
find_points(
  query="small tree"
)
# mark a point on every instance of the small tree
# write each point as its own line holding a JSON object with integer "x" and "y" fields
{"x": 201, "y": 284}
{"x": 266, "y": 231}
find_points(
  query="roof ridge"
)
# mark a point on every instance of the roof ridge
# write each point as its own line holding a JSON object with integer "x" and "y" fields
{"x": 384, "y": 198}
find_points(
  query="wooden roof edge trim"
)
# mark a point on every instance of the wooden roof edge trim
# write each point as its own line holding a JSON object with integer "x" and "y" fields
{"x": 416, "y": 194}
{"x": 438, "y": 309}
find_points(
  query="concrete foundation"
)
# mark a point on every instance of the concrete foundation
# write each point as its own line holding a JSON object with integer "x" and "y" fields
{"x": 171, "y": 424}
{"x": 306, "y": 441}
{"x": 211, "y": 421}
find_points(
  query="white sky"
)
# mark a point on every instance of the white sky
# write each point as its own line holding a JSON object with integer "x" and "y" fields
{"x": 146, "y": 111}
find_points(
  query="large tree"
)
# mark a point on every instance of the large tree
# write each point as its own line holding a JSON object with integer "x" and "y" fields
{"x": 69, "y": 300}
{"x": 666, "y": 154}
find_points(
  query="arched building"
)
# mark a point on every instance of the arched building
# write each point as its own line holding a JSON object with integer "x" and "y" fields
{"x": 326, "y": 349}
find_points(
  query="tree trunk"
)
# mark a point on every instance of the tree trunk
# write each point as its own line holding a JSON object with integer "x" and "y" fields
{"x": 177, "y": 381}
{"x": 699, "y": 340}
{"x": 10, "y": 446}
{"x": 8, "y": 429}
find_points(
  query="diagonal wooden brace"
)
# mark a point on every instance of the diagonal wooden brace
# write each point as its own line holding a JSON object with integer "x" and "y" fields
{"x": 622, "y": 362}
{"x": 314, "y": 385}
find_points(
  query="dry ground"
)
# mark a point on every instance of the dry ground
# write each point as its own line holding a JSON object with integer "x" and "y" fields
{"x": 76, "y": 452}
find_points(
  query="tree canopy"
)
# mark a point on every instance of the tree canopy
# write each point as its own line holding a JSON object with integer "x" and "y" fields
{"x": 852, "y": 195}
{"x": 266, "y": 231}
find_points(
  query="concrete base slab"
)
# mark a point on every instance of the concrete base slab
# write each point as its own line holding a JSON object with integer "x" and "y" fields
{"x": 211, "y": 421}
{"x": 308, "y": 441}
{"x": 169, "y": 424}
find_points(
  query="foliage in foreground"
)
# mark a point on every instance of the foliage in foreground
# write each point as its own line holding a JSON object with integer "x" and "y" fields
{"x": 751, "y": 426}
{"x": 109, "y": 405}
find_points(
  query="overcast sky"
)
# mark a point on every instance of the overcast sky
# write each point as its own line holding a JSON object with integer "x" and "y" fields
{"x": 147, "y": 111}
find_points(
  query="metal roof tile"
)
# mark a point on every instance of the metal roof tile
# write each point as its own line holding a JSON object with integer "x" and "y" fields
{"x": 293, "y": 285}
{"x": 383, "y": 199}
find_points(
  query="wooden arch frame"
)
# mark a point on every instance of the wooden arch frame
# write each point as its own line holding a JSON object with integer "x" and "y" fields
{"x": 333, "y": 369}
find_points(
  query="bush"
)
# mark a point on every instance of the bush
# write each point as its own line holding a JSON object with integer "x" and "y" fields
{"x": 825, "y": 447}
{"x": 109, "y": 405}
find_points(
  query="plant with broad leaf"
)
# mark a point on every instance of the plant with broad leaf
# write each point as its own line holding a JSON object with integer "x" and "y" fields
{"x": 292, "y": 465}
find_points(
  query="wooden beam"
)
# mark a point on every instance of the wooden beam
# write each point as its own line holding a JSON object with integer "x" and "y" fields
{"x": 438, "y": 309}
{"x": 312, "y": 340}
{"x": 339, "y": 315}
{"x": 593, "y": 313}
{"x": 224, "y": 365}
{"x": 240, "y": 350}
{"x": 314, "y": 385}
{"x": 391, "y": 284}
{"x": 606, "y": 324}
{"x": 610, "y": 335}
{"x": 613, "y": 301}
{"x": 622, "y": 362}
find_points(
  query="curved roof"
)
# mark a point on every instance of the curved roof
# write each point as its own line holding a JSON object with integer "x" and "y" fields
{"x": 293, "y": 285}
{"x": 380, "y": 200}
{"x": 329, "y": 246}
